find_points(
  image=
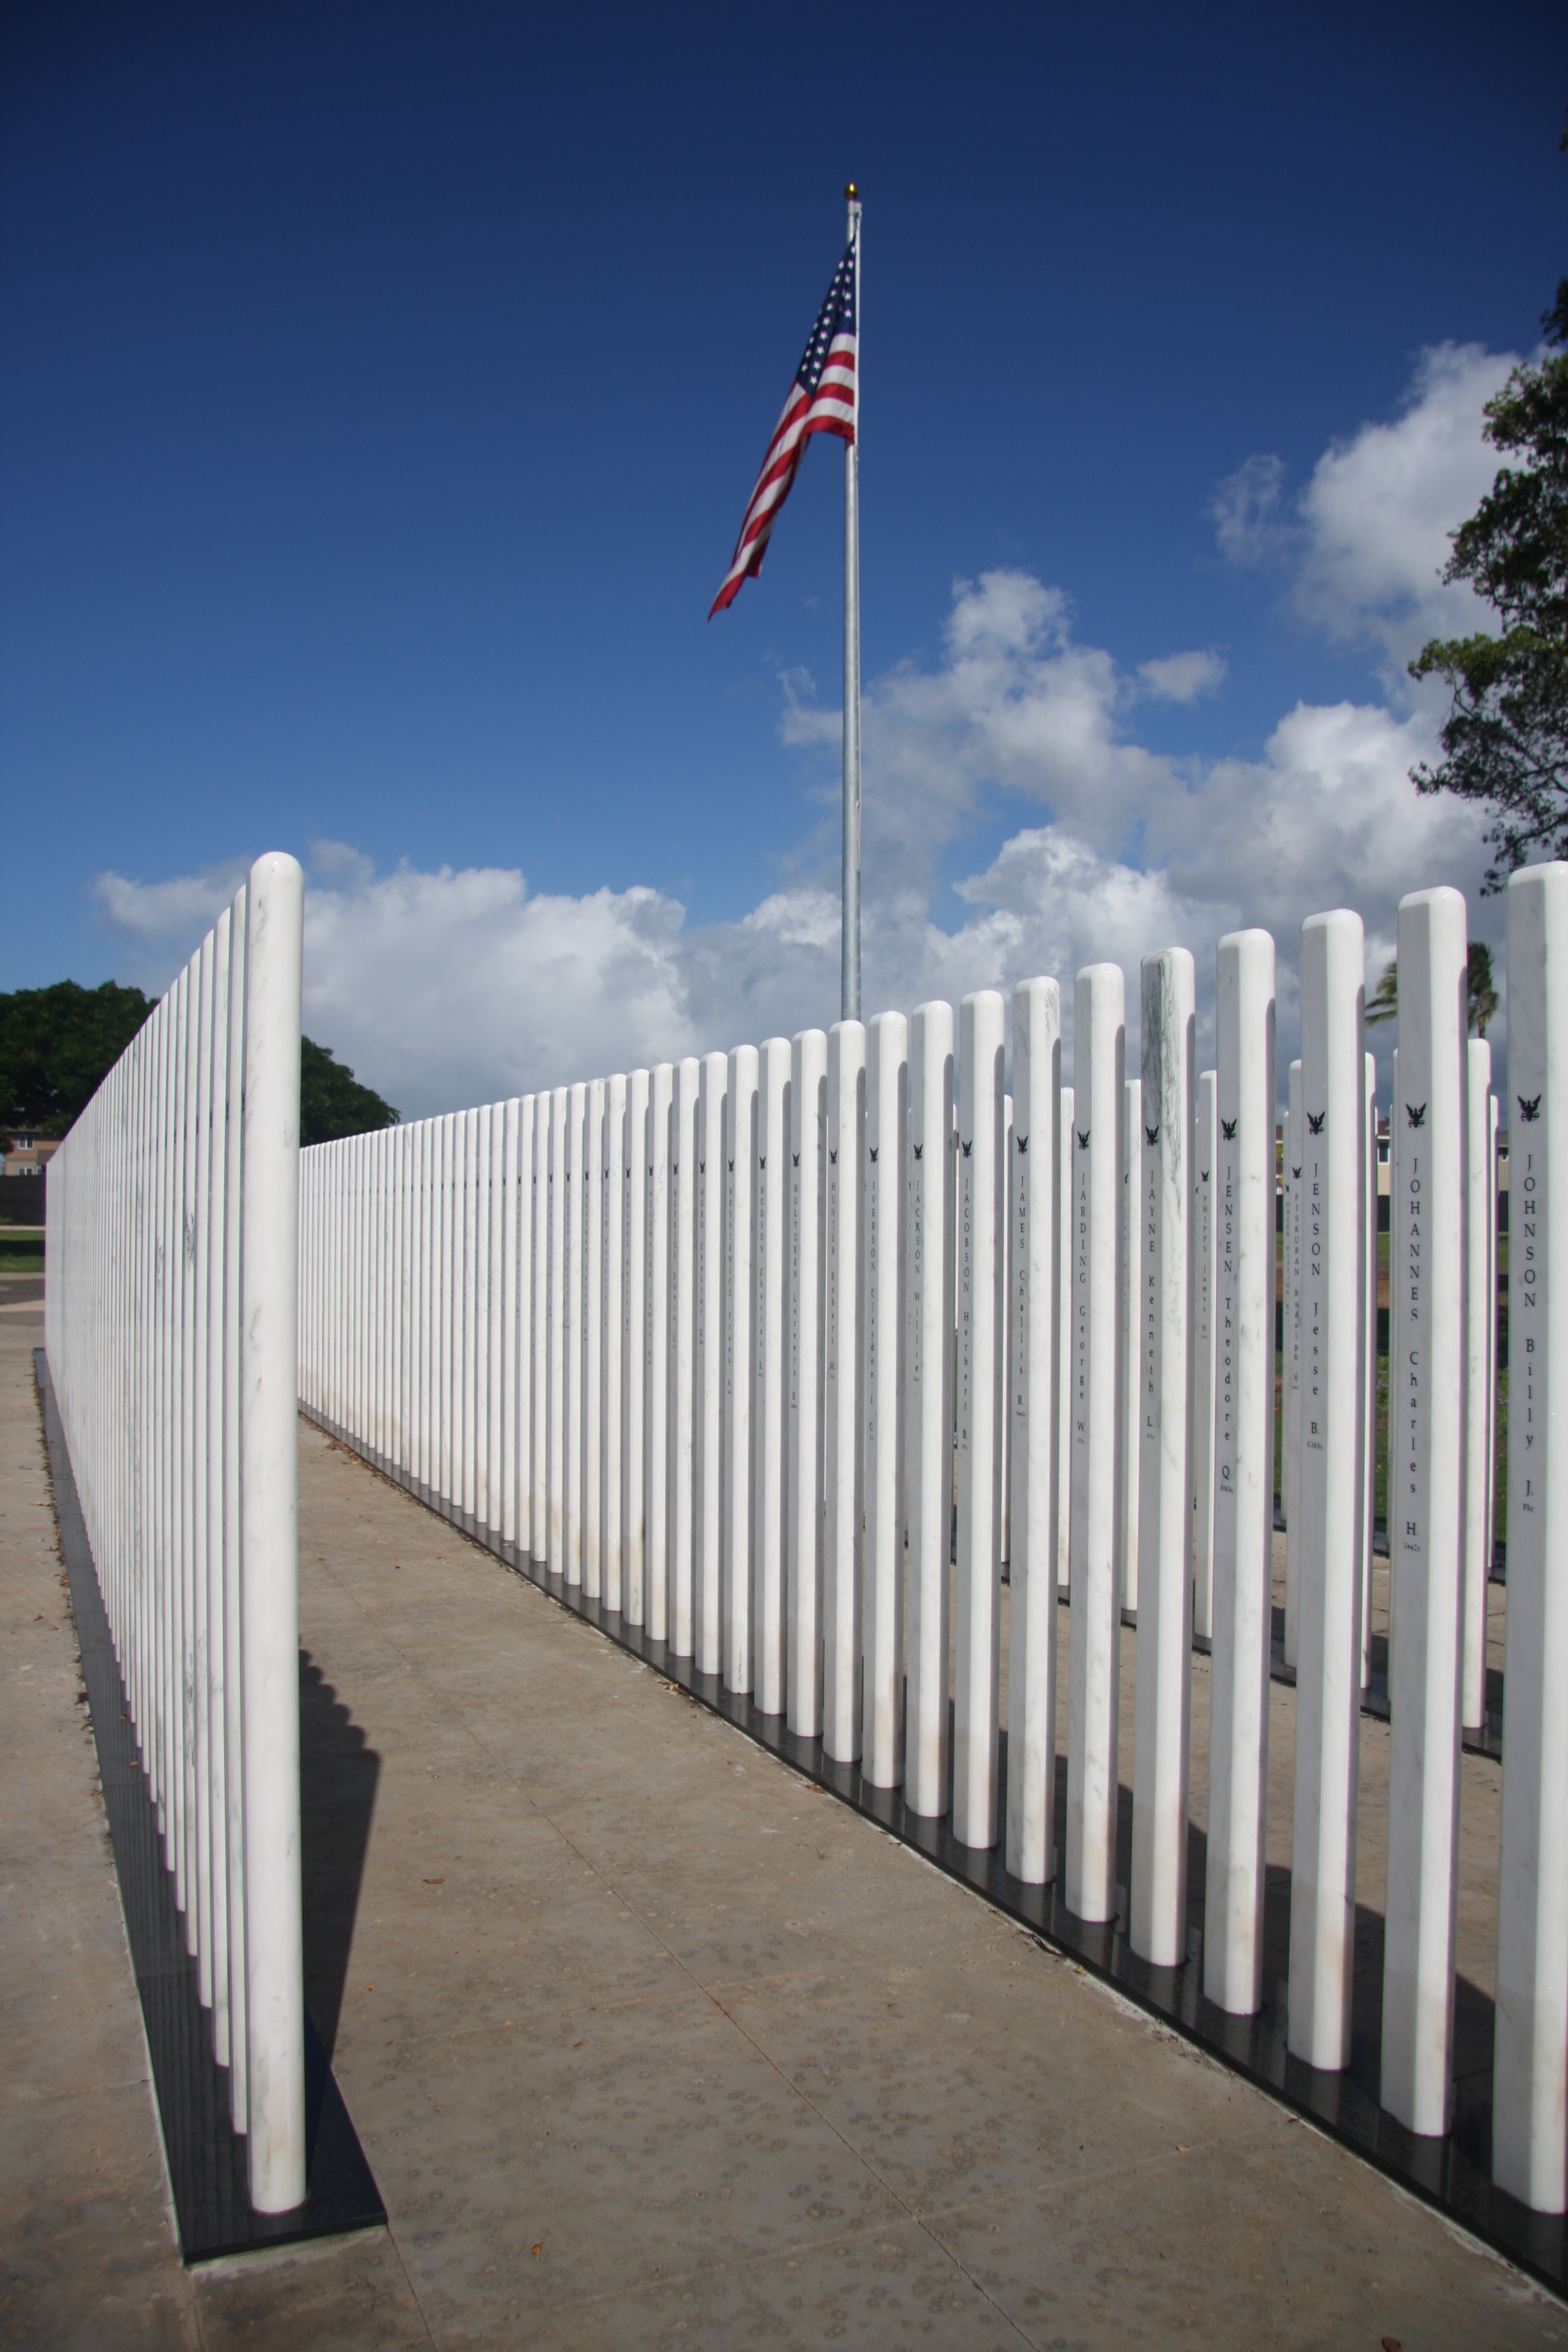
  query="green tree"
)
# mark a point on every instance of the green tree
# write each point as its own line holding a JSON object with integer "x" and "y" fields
{"x": 1505, "y": 739}
{"x": 58, "y": 1046}
{"x": 332, "y": 1103}
{"x": 1482, "y": 996}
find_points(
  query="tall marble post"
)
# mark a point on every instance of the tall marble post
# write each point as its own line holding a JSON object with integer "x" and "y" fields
{"x": 655, "y": 1351}
{"x": 1428, "y": 1358}
{"x": 682, "y": 1350}
{"x": 556, "y": 1531}
{"x": 1063, "y": 1474}
{"x": 1034, "y": 1318}
{"x": 1530, "y": 2059}
{"x": 539, "y": 1211}
{"x": 1368, "y": 1459}
{"x": 1100, "y": 1037}
{"x": 739, "y": 1359}
{"x": 638, "y": 1175}
{"x": 1205, "y": 1143}
{"x": 573, "y": 1221}
{"x": 885, "y": 1178}
{"x": 981, "y": 1329}
{"x": 592, "y": 1321}
{"x": 1328, "y": 1677}
{"x": 612, "y": 1279}
{"x": 928, "y": 1372}
{"x": 1160, "y": 1281}
{"x": 708, "y": 1478}
{"x": 1127, "y": 1446}
{"x": 1479, "y": 1210}
{"x": 1244, "y": 1472}
{"x": 771, "y": 1338}
{"x": 844, "y": 1502}
{"x": 1290, "y": 1407}
{"x": 807, "y": 1174}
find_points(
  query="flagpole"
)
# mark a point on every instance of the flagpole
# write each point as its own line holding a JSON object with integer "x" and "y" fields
{"x": 850, "y": 993}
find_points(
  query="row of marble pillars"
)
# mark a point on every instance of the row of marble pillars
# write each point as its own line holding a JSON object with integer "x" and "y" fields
{"x": 787, "y": 1353}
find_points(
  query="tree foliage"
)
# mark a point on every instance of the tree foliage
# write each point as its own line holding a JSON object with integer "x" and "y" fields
{"x": 1505, "y": 739}
{"x": 332, "y": 1102}
{"x": 58, "y": 1046}
{"x": 1481, "y": 997}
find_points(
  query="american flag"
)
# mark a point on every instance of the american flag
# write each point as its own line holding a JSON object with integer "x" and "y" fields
{"x": 822, "y": 399}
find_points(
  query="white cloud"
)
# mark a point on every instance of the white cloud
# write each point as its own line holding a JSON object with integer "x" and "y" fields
{"x": 1181, "y": 677}
{"x": 453, "y": 987}
{"x": 1249, "y": 523}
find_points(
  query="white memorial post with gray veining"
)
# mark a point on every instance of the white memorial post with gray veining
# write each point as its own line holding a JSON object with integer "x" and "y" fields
{"x": 592, "y": 1318}
{"x": 556, "y": 1468}
{"x": 885, "y": 1176}
{"x": 739, "y": 1352}
{"x": 982, "y": 1330}
{"x": 1428, "y": 1362}
{"x": 611, "y": 1370}
{"x": 1290, "y": 1400}
{"x": 1368, "y": 1457}
{"x": 539, "y": 1211}
{"x": 843, "y": 1506}
{"x": 1530, "y": 2047}
{"x": 928, "y": 1372}
{"x": 708, "y": 1477}
{"x": 1095, "y": 1633}
{"x": 1328, "y": 1678}
{"x": 1479, "y": 1211}
{"x": 1034, "y": 1316}
{"x": 1127, "y": 1446}
{"x": 1065, "y": 1149}
{"x": 682, "y": 1350}
{"x": 1243, "y": 1471}
{"x": 575, "y": 1222}
{"x": 1160, "y": 1280}
{"x": 634, "y": 1354}
{"x": 655, "y": 1351}
{"x": 808, "y": 1171}
{"x": 772, "y": 1397}
{"x": 1206, "y": 1138}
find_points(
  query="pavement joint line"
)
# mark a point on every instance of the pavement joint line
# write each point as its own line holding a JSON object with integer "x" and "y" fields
{"x": 793, "y": 2089}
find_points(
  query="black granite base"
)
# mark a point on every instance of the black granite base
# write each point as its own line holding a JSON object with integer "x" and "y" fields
{"x": 1452, "y": 2174}
{"x": 206, "y": 2157}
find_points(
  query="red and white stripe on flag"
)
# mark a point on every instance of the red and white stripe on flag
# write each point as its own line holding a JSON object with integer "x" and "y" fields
{"x": 822, "y": 399}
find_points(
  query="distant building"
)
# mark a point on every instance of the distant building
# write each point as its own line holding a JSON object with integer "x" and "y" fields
{"x": 30, "y": 1154}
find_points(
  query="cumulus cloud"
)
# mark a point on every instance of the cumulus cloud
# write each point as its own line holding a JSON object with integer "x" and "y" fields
{"x": 453, "y": 987}
{"x": 1248, "y": 511}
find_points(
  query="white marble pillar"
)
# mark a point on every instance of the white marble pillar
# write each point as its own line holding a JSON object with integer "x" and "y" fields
{"x": 808, "y": 1168}
{"x": 708, "y": 1406}
{"x": 475, "y": 1150}
{"x": 510, "y": 1354}
{"x": 1206, "y": 1146}
{"x": 1063, "y": 1474}
{"x": 740, "y": 1363}
{"x": 1328, "y": 1677}
{"x": 1243, "y": 1187}
{"x": 1004, "y": 1293}
{"x": 1159, "y": 1282}
{"x": 573, "y": 1221}
{"x": 1033, "y": 1320}
{"x": 655, "y": 1351}
{"x": 772, "y": 1339}
{"x": 1100, "y": 1037}
{"x": 683, "y": 1353}
{"x": 981, "y": 1334}
{"x": 928, "y": 1420}
{"x": 539, "y": 1210}
{"x": 612, "y": 1368}
{"x": 555, "y": 1211}
{"x": 593, "y": 1328}
{"x": 1127, "y": 1447}
{"x": 1368, "y": 1459}
{"x": 1494, "y": 1122}
{"x": 637, "y": 1176}
{"x": 884, "y": 1157}
{"x": 1529, "y": 2062}
{"x": 1427, "y": 1365}
{"x": 843, "y": 1497}
{"x": 1479, "y": 1214}
{"x": 1290, "y": 1404}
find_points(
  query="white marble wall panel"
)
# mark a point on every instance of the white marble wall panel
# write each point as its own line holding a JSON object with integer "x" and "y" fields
{"x": 1290, "y": 1376}
{"x": 634, "y": 1351}
{"x": 844, "y": 1501}
{"x": 707, "y": 1410}
{"x": 683, "y": 1190}
{"x": 804, "y": 1533}
{"x": 885, "y": 1174}
{"x": 1065, "y": 1149}
{"x": 657, "y": 1349}
{"x": 740, "y": 1357}
{"x": 1127, "y": 1448}
{"x": 1480, "y": 1209}
{"x": 1033, "y": 1320}
{"x": 1206, "y": 1144}
{"x": 981, "y": 1315}
{"x": 591, "y": 1319}
{"x": 771, "y": 1339}
{"x": 929, "y": 1242}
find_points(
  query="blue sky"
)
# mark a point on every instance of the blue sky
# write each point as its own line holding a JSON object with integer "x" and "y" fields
{"x": 382, "y": 386}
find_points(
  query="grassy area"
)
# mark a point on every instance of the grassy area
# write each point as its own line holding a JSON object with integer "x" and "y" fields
{"x": 17, "y": 1262}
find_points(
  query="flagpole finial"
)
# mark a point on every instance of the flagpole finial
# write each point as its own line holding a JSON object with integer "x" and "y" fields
{"x": 851, "y": 191}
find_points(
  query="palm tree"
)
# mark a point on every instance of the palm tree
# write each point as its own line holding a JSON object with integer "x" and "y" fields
{"x": 1482, "y": 997}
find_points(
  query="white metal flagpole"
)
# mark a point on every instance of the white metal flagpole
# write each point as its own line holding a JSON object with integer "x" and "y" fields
{"x": 851, "y": 1008}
